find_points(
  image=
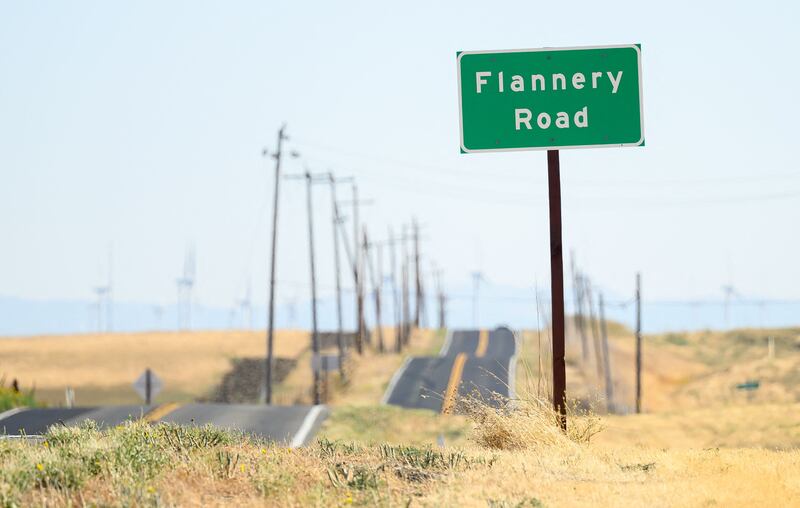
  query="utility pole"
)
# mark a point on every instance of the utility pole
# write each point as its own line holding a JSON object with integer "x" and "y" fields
{"x": 638, "y": 342}
{"x": 606, "y": 358}
{"x": 418, "y": 280}
{"x": 271, "y": 309}
{"x": 358, "y": 273}
{"x": 339, "y": 332}
{"x": 579, "y": 323}
{"x": 423, "y": 320}
{"x": 598, "y": 352}
{"x": 376, "y": 286}
{"x": 379, "y": 297}
{"x": 441, "y": 299}
{"x": 314, "y": 331}
{"x": 398, "y": 345}
{"x": 406, "y": 306}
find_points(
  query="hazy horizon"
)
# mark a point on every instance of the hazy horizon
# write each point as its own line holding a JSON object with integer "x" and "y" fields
{"x": 138, "y": 129}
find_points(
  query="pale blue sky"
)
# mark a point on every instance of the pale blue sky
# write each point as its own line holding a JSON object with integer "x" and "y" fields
{"x": 141, "y": 125}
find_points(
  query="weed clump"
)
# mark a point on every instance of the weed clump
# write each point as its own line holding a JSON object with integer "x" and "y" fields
{"x": 11, "y": 396}
{"x": 527, "y": 422}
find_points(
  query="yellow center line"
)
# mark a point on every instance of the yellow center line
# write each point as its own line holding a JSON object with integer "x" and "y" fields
{"x": 452, "y": 385}
{"x": 161, "y": 411}
{"x": 483, "y": 343}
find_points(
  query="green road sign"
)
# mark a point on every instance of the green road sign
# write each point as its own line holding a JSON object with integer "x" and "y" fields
{"x": 748, "y": 385}
{"x": 550, "y": 98}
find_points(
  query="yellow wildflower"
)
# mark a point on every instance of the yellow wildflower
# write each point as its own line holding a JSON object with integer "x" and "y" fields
{"x": 40, "y": 467}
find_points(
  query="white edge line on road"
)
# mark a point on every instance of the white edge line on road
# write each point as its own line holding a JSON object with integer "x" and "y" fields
{"x": 447, "y": 342}
{"x": 12, "y": 412}
{"x": 302, "y": 433}
{"x": 394, "y": 380}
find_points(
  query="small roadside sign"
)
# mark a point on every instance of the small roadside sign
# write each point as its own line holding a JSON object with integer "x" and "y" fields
{"x": 550, "y": 98}
{"x": 749, "y": 385}
{"x": 324, "y": 363}
{"x": 148, "y": 385}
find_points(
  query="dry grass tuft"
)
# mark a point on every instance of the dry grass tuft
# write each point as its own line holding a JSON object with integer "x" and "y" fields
{"x": 528, "y": 419}
{"x": 527, "y": 422}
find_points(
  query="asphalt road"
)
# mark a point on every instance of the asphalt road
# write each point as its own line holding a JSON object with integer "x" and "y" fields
{"x": 290, "y": 425}
{"x": 472, "y": 362}
{"x": 499, "y": 343}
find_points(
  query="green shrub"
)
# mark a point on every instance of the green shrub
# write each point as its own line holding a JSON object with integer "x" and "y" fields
{"x": 10, "y": 399}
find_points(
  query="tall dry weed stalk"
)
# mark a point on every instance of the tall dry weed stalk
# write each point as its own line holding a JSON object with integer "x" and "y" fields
{"x": 528, "y": 420}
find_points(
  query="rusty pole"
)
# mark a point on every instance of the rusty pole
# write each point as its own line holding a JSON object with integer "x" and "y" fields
{"x": 557, "y": 286}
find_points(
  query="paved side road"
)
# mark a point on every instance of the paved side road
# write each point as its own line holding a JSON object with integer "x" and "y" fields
{"x": 290, "y": 425}
{"x": 471, "y": 362}
{"x": 499, "y": 343}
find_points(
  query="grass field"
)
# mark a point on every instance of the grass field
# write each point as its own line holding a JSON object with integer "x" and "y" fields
{"x": 143, "y": 465}
{"x": 700, "y": 443}
{"x": 101, "y": 368}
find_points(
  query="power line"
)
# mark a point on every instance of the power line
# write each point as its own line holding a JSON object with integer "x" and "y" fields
{"x": 461, "y": 172}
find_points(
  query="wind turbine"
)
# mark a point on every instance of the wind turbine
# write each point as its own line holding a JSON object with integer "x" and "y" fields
{"x": 101, "y": 292}
{"x": 730, "y": 293}
{"x": 246, "y": 308}
{"x": 477, "y": 278}
{"x": 158, "y": 313}
{"x": 185, "y": 284}
{"x": 104, "y": 300}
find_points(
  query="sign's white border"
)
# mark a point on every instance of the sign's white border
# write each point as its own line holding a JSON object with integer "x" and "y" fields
{"x": 525, "y": 149}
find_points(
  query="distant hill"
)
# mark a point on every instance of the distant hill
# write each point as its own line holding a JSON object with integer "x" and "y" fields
{"x": 515, "y": 307}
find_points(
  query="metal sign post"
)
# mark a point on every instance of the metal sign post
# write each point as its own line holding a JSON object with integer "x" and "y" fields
{"x": 557, "y": 287}
{"x": 148, "y": 385}
{"x": 551, "y": 99}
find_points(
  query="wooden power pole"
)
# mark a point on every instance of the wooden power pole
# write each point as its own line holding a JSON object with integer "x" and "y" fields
{"x": 271, "y": 307}
{"x": 577, "y": 287}
{"x": 337, "y": 267}
{"x": 638, "y": 342}
{"x": 405, "y": 275}
{"x": 314, "y": 330}
{"x": 417, "y": 276}
{"x": 376, "y": 286}
{"x": 606, "y": 359}
{"x": 398, "y": 343}
{"x": 441, "y": 299}
{"x": 316, "y": 362}
{"x": 593, "y": 323}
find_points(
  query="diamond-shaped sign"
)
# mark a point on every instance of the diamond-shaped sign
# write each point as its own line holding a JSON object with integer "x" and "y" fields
{"x": 325, "y": 363}
{"x": 141, "y": 385}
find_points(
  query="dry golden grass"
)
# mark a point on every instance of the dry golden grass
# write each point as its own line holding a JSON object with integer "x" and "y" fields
{"x": 680, "y": 370}
{"x": 737, "y": 455}
{"x": 774, "y": 426}
{"x": 627, "y": 477}
{"x": 102, "y": 367}
{"x": 143, "y": 466}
